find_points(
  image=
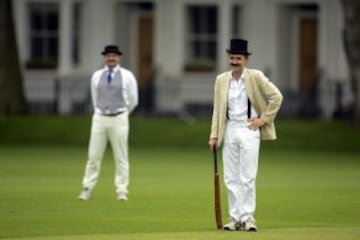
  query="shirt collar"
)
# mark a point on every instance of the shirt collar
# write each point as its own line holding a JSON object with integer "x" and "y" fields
{"x": 242, "y": 77}
{"x": 115, "y": 69}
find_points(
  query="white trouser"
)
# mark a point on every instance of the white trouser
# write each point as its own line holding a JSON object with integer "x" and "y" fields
{"x": 116, "y": 130}
{"x": 240, "y": 158}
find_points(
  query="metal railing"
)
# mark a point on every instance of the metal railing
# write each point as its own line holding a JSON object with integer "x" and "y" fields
{"x": 71, "y": 95}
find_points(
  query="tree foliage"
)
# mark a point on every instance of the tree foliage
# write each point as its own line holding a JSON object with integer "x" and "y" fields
{"x": 12, "y": 100}
{"x": 351, "y": 10}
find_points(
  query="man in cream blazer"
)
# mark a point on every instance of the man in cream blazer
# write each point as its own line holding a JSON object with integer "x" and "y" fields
{"x": 245, "y": 106}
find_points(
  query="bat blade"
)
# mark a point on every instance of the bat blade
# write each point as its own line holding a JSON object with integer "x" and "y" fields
{"x": 217, "y": 198}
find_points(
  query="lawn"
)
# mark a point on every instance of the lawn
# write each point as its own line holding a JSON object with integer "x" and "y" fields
{"x": 308, "y": 185}
{"x": 301, "y": 195}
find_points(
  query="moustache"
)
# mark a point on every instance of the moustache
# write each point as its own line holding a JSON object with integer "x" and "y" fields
{"x": 235, "y": 65}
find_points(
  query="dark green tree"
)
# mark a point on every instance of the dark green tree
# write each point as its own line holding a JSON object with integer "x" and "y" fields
{"x": 351, "y": 9}
{"x": 12, "y": 100}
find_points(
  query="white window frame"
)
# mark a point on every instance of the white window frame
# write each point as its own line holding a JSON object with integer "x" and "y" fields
{"x": 201, "y": 36}
{"x": 44, "y": 34}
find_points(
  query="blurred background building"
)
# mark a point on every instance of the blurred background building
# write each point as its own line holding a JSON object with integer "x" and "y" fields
{"x": 176, "y": 48}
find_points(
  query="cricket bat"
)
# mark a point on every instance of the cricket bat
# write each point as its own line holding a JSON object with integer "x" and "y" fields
{"x": 217, "y": 196}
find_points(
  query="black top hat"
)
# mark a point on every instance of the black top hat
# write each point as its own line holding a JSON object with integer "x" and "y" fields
{"x": 111, "y": 49}
{"x": 238, "y": 46}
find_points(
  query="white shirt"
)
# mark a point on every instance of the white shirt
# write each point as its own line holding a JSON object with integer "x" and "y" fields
{"x": 238, "y": 100}
{"x": 130, "y": 89}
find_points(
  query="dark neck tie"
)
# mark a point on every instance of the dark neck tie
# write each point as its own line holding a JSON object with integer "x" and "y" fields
{"x": 109, "y": 76}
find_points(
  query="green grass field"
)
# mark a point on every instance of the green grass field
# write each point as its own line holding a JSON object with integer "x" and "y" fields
{"x": 305, "y": 191}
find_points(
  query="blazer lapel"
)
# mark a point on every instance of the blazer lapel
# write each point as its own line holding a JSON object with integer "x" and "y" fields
{"x": 225, "y": 87}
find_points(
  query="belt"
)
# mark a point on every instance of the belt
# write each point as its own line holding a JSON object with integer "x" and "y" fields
{"x": 111, "y": 114}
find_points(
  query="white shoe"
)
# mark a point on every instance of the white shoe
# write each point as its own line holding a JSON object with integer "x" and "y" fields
{"x": 85, "y": 194}
{"x": 232, "y": 226}
{"x": 249, "y": 225}
{"x": 122, "y": 197}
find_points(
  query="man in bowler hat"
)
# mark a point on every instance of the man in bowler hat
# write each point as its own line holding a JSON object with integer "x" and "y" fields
{"x": 245, "y": 106}
{"x": 114, "y": 95}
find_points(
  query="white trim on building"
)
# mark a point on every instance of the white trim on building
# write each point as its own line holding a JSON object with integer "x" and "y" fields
{"x": 271, "y": 26}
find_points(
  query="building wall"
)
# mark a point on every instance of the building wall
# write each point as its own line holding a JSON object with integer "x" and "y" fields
{"x": 169, "y": 37}
{"x": 269, "y": 25}
{"x": 332, "y": 60}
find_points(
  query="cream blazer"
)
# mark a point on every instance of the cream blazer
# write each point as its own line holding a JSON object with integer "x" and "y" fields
{"x": 264, "y": 96}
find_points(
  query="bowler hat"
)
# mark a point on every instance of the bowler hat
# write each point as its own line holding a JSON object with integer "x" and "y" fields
{"x": 111, "y": 49}
{"x": 238, "y": 46}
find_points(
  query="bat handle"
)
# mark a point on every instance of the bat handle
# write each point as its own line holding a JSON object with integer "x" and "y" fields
{"x": 215, "y": 159}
